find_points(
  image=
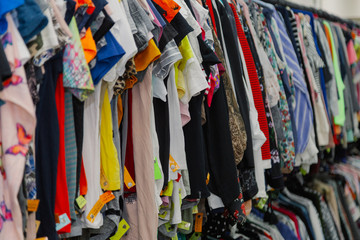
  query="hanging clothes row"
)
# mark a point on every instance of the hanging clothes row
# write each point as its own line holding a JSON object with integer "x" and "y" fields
{"x": 154, "y": 119}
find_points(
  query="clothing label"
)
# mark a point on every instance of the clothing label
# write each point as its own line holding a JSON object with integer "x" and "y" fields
{"x": 57, "y": 220}
{"x": 169, "y": 189}
{"x": 37, "y": 225}
{"x": 303, "y": 171}
{"x": 107, "y": 197}
{"x": 184, "y": 225}
{"x": 195, "y": 236}
{"x": 262, "y": 202}
{"x": 168, "y": 227}
{"x": 64, "y": 221}
{"x": 157, "y": 171}
{"x": 122, "y": 229}
{"x": 163, "y": 215}
{"x": 195, "y": 210}
{"x": 198, "y": 222}
{"x": 81, "y": 201}
{"x": 33, "y": 205}
{"x": 95, "y": 210}
{"x": 129, "y": 182}
{"x": 104, "y": 198}
{"x": 173, "y": 164}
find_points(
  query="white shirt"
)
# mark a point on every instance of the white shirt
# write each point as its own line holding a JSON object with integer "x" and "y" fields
{"x": 91, "y": 152}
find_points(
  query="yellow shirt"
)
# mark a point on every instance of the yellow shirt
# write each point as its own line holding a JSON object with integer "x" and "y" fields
{"x": 110, "y": 168}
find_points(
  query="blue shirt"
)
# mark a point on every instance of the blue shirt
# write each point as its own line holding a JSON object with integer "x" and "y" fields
{"x": 106, "y": 58}
{"x": 302, "y": 113}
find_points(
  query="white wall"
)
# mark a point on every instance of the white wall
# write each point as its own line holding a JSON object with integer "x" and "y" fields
{"x": 341, "y": 8}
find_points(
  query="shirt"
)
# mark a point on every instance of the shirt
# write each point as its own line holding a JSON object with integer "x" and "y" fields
{"x": 315, "y": 62}
{"x": 340, "y": 118}
{"x": 303, "y": 110}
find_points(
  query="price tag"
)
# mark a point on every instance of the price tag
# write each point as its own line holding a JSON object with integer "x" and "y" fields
{"x": 195, "y": 210}
{"x": 104, "y": 198}
{"x": 195, "y": 236}
{"x": 184, "y": 225}
{"x": 303, "y": 171}
{"x": 64, "y": 221}
{"x": 57, "y": 220}
{"x": 262, "y": 202}
{"x": 198, "y": 222}
{"x": 95, "y": 210}
{"x": 81, "y": 201}
{"x": 37, "y": 225}
{"x": 129, "y": 182}
{"x": 42, "y": 238}
{"x": 163, "y": 215}
{"x": 169, "y": 227}
{"x": 107, "y": 197}
{"x": 33, "y": 204}
{"x": 122, "y": 229}
{"x": 103, "y": 180}
{"x": 157, "y": 171}
{"x": 173, "y": 164}
{"x": 207, "y": 178}
{"x": 169, "y": 189}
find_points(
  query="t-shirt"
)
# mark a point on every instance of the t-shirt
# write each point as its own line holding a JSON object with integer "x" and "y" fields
{"x": 122, "y": 33}
{"x": 110, "y": 167}
{"x": 106, "y": 58}
{"x": 31, "y": 20}
{"x": 5, "y": 7}
{"x": 194, "y": 77}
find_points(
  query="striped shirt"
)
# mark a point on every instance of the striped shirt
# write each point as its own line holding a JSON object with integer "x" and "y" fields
{"x": 302, "y": 110}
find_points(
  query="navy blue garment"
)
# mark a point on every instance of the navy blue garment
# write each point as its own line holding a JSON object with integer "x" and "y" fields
{"x": 161, "y": 113}
{"x": 195, "y": 150}
{"x": 220, "y": 153}
{"x": 31, "y": 20}
{"x": 88, "y": 19}
{"x": 78, "y": 109}
{"x": 286, "y": 231}
{"x": 47, "y": 148}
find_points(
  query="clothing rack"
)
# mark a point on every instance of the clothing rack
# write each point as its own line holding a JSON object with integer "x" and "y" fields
{"x": 320, "y": 13}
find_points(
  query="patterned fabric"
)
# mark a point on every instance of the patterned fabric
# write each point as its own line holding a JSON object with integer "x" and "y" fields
{"x": 215, "y": 225}
{"x": 17, "y": 123}
{"x": 286, "y": 146}
{"x": 314, "y": 59}
{"x": 236, "y": 212}
{"x": 127, "y": 80}
{"x": 275, "y": 172}
{"x": 75, "y": 69}
{"x": 32, "y": 82}
{"x": 302, "y": 111}
{"x": 255, "y": 85}
{"x": 30, "y": 179}
{"x": 236, "y": 122}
